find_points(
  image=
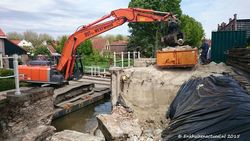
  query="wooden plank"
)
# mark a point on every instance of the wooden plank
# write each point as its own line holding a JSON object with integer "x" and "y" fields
{"x": 240, "y": 60}
{"x": 242, "y": 67}
{"x": 246, "y": 56}
{"x": 240, "y": 50}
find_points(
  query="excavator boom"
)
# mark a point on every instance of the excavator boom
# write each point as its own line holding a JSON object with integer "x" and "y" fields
{"x": 120, "y": 16}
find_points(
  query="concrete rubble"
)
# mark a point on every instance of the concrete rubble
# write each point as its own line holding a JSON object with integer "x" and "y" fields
{"x": 69, "y": 135}
{"x": 144, "y": 62}
{"x": 177, "y": 48}
{"x": 121, "y": 125}
{"x": 39, "y": 133}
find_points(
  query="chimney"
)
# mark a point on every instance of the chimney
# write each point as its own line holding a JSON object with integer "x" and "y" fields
{"x": 218, "y": 27}
{"x": 223, "y": 24}
{"x": 230, "y": 19}
{"x": 235, "y": 16}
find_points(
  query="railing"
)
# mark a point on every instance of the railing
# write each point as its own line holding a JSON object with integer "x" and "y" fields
{"x": 121, "y": 59}
{"x": 16, "y": 73}
{"x": 122, "y": 54}
{"x": 96, "y": 71}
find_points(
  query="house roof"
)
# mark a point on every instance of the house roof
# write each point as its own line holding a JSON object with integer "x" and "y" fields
{"x": 15, "y": 41}
{"x": 118, "y": 46}
{"x": 2, "y": 34}
{"x": 99, "y": 43}
{"x": 119, "y": 43}
{"x": 51, "y": 49}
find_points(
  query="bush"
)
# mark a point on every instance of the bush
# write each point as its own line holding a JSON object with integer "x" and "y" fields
{"x": 7, "y": 84}
{"x": 6, "y": 72}
{"x": 41, "y": 50}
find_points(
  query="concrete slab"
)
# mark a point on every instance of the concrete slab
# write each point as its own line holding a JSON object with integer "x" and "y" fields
{"x": 79, "y": 102}
{"x": 69, "y": 135}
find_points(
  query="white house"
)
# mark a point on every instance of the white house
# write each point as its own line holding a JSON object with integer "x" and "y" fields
{"x": 22, "y": 43}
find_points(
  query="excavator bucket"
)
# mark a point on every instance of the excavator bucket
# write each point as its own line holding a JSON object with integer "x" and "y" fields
{"x": 174, "y": 35}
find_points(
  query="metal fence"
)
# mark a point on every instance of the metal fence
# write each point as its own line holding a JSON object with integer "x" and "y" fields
{"x": 16, "y": 73}
{"x": 125, "y": 57}
{"x": 96, "y": 71}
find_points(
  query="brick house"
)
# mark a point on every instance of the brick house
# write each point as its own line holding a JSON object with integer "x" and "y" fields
{"x": 118, "y": 46}
{"x": 8, "y": 48}
{"x": 103, "y": 46}
{"x": 100, "y": 44}
{"x": 235, "y": 25}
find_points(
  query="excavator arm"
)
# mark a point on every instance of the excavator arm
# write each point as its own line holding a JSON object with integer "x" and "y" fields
{"x": 120, "y": 16}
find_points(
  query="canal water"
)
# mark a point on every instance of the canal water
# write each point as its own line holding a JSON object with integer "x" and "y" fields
{"x": 83, "y": 120}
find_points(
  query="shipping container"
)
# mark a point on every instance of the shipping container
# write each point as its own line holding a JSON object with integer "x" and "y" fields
{"x": 177, "y": 58}
{"x": 222, "y": 41}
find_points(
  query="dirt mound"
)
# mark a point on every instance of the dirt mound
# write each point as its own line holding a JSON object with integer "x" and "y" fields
{"x": 211, "y": 69}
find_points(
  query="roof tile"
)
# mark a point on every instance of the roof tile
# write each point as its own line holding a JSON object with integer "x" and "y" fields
{"x": 2, "y": 34}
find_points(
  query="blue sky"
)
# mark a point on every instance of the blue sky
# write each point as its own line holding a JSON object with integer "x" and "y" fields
{"x": 60, "y": 17}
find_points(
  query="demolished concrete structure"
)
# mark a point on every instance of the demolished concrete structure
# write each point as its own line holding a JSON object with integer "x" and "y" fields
{"x": 148, "y": 91}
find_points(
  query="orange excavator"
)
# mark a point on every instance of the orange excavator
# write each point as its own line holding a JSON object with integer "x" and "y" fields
{"x": 57, "y": 74}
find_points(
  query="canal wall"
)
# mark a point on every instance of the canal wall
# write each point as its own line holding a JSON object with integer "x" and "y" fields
{"x": 27, "y": 116}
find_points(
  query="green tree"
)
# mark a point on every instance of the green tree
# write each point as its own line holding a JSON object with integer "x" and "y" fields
{"x": 110, "y": 38}
{"x": 118, "y": 37}
{"x": 145, "y": 37}
{"x": 14, "y": 36}
{"x": 45, "y": 37}
{"x": 41, "y": 50}
{"x": 33, "y": 37}
{"x": 61, "y": 43}
{"x": 85, "y": 48}
{"x": 193, "y": 31}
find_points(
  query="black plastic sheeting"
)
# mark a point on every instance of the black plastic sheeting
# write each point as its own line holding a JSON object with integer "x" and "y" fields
{"x": 211, "y": 108}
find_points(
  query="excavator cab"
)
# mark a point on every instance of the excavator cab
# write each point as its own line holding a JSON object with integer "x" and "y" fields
{"x": 78, "y": 70}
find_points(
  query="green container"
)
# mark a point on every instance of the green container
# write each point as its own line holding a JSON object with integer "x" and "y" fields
{"x": 222, "y": 41}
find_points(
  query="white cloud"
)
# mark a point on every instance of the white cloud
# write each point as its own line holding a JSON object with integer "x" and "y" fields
{"x": 213, "y": 12}
{"x": 58, "y": 17}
